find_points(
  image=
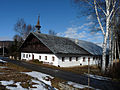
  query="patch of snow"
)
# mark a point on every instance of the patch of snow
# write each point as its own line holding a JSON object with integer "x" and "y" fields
{"x": 98, "y": 77}
{"x": 7, "y": 82}
{"x": 76, "y": 85}
{"x": 19, "y": 87}
{"x": 40, "y": 76}
{"x": 2, "y": 67}
{"x": 2, "y": 61}
{"x": 1, "y": 73}
{"x": 39, "y": 85}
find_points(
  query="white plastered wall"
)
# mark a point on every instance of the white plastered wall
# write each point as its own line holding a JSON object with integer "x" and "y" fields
{"x": 36, "y": 56}
{"x": 58, "y": 60}
{"x": 73, "y": 62}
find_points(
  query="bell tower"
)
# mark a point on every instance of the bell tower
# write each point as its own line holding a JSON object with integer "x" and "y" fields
{"x": 38, "y": 26}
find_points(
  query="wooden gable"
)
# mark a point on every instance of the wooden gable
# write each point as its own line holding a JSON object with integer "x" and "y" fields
{"x": 33, "y": 45}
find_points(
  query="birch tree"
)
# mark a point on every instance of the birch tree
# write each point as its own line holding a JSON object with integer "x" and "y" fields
{"x": 106, "y": 7}
{"x": 116, "y": 38}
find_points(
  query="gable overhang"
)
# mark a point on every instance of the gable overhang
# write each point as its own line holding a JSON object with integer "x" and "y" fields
{"x": 38, "y": 39}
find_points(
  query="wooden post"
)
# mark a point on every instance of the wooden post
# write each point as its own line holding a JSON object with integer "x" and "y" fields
{"x": 88, "y": 73}
{"x": 3, "y": 49}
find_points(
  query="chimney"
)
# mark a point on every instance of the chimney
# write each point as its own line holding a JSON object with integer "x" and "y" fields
{"x": 76, "y": 41}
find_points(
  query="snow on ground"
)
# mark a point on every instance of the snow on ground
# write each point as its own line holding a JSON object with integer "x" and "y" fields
{"x": 19, "y": 87}
{"x": 98, "y": 77}
{"x": 39, "y": 86}
{"x": 2, "y": 61}
{"x": 76, "y": 85}
{"x": 2, "y": 67}
{"x": 7, "y": 82}
{"x": 40, "y": 76}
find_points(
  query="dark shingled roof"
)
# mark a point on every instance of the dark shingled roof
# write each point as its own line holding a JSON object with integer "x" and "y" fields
{"x": 60, "y": 45}
{"x": 90, "y": 47}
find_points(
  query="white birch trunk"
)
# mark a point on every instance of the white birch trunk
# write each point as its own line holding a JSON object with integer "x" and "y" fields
{"x": 115, "y": 52}
{"x": 104, "y": 54}
{"x": 110, "y": 49}
{"x": 118, "y": 49}
{"x": 108, "y": 13}
{"x": 112, "y": 52}
{"x": 106, "y": 36}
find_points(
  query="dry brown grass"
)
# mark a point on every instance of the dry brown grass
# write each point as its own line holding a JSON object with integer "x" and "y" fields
{"x": 59, "y": 83}
{"x": 17, "y": 68}
{"x": 78, "y": 69}
{"x": 3, "y": 87}
{"x": 13, "y": 72}
{"x": 55, "y": 82}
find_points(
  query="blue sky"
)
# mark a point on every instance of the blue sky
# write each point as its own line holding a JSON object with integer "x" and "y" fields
{"x": 57, "y": 15}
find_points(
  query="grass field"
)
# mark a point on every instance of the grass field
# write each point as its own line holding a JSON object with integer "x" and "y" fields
{"x": 13, "y": 73}
{"x": 78, "y": 69}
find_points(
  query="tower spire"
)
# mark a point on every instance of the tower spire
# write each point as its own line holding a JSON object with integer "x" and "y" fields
{"x": 38, "y": 25}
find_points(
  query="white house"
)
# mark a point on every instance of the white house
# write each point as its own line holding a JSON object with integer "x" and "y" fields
{"x": 59, "y": 51}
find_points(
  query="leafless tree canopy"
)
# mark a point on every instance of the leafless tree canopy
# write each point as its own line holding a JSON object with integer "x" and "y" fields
{"x": 22, "y": 28}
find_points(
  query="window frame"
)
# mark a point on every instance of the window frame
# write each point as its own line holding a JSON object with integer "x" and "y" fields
{"x": 93, "y": 58}
{"x": 70, "y": 59}
{"x": 53, "y": 58}
{"x": 76, "y": 58}
{"x": 63, "y": 59}
{"x": 23, "y": 55}
{"x": 88, "y": 59}
{"x": 26, "y": 55}
{"x": 40, "y": 57}
{"x": 45, "y": 57}
{"x": 83, "y": 59}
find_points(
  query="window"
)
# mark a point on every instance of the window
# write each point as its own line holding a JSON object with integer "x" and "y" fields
{"x": 45, "y": 57}
{"x": 83, "y": 59}
{"x": 70, "y": 59}
{"x": 39, "y": 57}
{"x": 29, "y": 55}
{"x": 93, "y": 58}
{"x": 96, "y": 58}
{"x": 88, "y": 59}
{"x": 99, "y": 57}
{"x": 63, "y": 59}
{"x": 53, "y": 58}
{"x": 76, "y": 58}
{"x": 23, "y": 55}
{"x": 26, "y": 55}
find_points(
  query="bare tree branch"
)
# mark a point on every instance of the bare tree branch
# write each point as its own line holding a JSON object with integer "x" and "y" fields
{"x": 98, "y": 18}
